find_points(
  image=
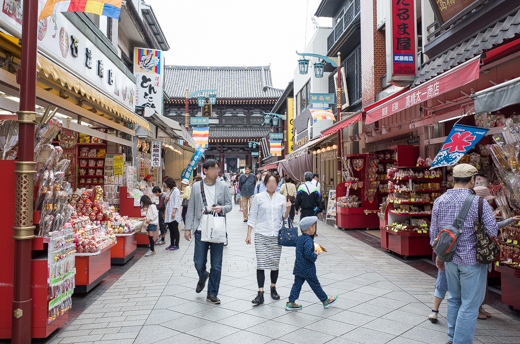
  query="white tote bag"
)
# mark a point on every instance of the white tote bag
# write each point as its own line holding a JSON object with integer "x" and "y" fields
{"x": 213, "y": 229}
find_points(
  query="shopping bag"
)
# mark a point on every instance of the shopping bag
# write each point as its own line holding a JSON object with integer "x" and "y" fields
{"x": 213, "y": 229}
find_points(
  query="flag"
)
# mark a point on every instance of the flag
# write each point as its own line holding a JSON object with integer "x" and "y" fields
{"x": 108, "y": 8}
{"x": 276, "y": 148}
{"x": 319, "y": 114}
{"x": 460, "y": 140}
{"x": 201, "y": 136}
{"x": 186, "y": 174}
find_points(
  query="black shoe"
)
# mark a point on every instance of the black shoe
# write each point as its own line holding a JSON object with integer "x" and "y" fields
{"x": 259, "y": 299}
{"x": 274, "y": 294}
{"x": 245, "y": 220}
{"x": 201, "y": 286}
{"x": 213, "y": 299}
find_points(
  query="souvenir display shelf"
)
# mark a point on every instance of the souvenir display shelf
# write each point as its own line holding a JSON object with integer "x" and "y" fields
{"x": 94, "y": 172}
{"x": 364, "y": 214}
{"x": 510, "y": 285}
{"x": 127, "y": 208}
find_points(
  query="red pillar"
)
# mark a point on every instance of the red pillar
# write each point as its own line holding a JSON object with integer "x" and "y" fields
{"x": 23, "y": 230}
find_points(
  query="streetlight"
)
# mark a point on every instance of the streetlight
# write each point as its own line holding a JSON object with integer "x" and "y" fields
{"x": 319, "y": 68}
{"x": 304, "y": 65}
{"x": 201, "y": 102}
{"x": 274, "y": 116}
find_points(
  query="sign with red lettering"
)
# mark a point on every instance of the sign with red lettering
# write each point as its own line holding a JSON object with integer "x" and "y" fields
{"x": 401, "y": 43}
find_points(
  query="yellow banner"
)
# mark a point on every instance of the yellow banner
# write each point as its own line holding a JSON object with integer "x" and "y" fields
{"x": 290, "y": 124}
{"x": 118, "y": 166}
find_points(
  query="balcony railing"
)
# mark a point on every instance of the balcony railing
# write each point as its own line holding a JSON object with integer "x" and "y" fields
{"x": 343, "y": 24}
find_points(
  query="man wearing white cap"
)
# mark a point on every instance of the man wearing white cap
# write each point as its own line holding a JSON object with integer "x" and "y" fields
{"x": 466, "y": 277}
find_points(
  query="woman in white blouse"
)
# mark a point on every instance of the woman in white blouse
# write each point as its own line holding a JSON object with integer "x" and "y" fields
{"x": 266, "y": 216}
{"x": 172, "y": 214}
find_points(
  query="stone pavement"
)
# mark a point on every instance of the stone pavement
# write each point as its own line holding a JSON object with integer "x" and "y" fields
{"x": 381, "y": 300}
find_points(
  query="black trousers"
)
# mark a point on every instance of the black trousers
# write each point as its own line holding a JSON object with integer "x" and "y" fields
{"x": 174, "y": 233}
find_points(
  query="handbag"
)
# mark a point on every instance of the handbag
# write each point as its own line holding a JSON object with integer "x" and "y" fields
{"x": 185, "y": 202}
{"x": 213, "y": 226}
{"x": 487, "y": 248}
{"x": 287, "y": 235}
{"x": 446, "y": 242}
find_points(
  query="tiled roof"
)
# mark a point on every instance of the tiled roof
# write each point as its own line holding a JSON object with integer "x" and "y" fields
{"x": 498, "y": 34}
{"x": 231, "y": 82}
{"x": 238, "y": 132}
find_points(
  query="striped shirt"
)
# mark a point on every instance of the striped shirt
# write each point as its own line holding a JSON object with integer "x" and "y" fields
{"x": 445, "y": 210}
{"x": 173, "y": 203}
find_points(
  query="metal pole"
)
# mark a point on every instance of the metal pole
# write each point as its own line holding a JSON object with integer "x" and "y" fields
{"x": 187, "y": 119}
{"x": 338, "y": 107}
{"x": 23, "y": 226}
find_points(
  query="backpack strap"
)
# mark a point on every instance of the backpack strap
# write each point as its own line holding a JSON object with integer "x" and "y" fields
{"x": 203, "y": 194}
{"x": 459, "y": 222}
{"x": 480, "y": 207}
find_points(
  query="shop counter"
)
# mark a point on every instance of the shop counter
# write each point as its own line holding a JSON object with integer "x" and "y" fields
{"x": 124, "y": 248}
{"x": 126, "y": 206}
{"x": 510, "y": 278}
{"x": 350, "y": 218}
{"x": 408, "y": 243}
{"x": 91, "y": 268}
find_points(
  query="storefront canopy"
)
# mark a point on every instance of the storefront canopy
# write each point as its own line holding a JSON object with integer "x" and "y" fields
{"x": 453, "y": 79}
{"x": 172, "y": 128}
{"x": 342, "y": 124}
{"x": 497, "y": 97}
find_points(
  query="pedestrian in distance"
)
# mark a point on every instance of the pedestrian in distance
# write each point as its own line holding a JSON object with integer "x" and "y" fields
{"x": 151, "y": 221}
{"x": 218, "y": 201}
{"x": 246, "y": 187}
{"x": 288, "y": 190}
{"x": 161, "y": 206}
{"x": 268, "y": 211}
{"x": 305, "y": 266}
{"x": 172, "y": 215}
{"x": 308, "y": 198}
{"x": 260, "y": 186}
{"x": 185, "y": 196}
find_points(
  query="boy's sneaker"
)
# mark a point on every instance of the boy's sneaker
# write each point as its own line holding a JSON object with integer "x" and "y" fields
{"x": 291, "y": 306}
{"x": 330, "y": 301}
{"x": 159, "y": 242}
{"x": 149, "y": 253}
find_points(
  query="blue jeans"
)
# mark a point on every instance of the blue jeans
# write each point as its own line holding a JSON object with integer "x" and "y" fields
{"x": 313, "y": 283}
{"x": 200, "y": 258}
{"x": 441, "y": 285}
{"x": 467, "y": 286}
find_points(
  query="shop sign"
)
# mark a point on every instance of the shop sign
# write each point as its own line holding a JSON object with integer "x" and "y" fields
{"x": 401, "y": 43}
{"x": 149, "y": 74}
{"x": 59, "y": 39}
{"x": 254, "y": 154}
{"x": 448, "y": 9}
{"x": 290, "y": 124}
{"x": 413, "y": 140}
{"x": 276, "y": 136}
{"x": 199, "y": 120}
{"x": 156, "y": 153}
{"x": 186, "y": 174}
{"x": 460, "y": 140}
{"x": 118, "y": 165}
{"x": 322, "y": 98}
{"x": 302, "y": 142}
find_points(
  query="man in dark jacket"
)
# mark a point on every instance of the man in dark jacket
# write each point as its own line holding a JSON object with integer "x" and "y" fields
{"x": 308, "y": 198}
{"x": 161, "y": 207}
{"x": 246, "y": 187}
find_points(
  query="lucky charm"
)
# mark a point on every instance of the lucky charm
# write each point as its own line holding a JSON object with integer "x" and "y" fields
{"x": 98, "y": 193}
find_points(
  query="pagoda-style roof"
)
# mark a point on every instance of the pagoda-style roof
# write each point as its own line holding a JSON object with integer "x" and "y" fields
{"x": 238, "y": 83}
{"x": 238, "y": 132}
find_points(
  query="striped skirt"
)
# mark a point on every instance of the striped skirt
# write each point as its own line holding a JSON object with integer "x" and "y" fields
{"x": 268, "y": 252}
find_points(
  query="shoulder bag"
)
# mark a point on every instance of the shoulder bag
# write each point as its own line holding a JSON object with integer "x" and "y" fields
{"x": 213, "y": 226}
{"x": 287, "y": 235}
{"x": 487, "y": 249}
{"x": 446, "y": 242}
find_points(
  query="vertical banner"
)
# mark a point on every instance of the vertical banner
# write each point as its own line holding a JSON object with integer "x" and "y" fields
{"x": 290, "y": 124}
{"x": 276, "y": 148}
{"x": 401, "y": 42}
{"x": 460, "y": 140}
{"x": 186, "y": 174}
{"x": 148, "y": 71}
{"x": 201, "y": 136}
{"x": 118, "y": 165}
{"x": 156, "y": 153}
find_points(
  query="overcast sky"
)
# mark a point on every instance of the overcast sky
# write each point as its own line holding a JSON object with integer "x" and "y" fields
{"x": 237, "y": 32}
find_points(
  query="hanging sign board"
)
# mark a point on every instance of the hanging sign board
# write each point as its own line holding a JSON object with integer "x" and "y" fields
{"x": 156, "y": 153}
{"x": 148, "y": 71}
{"x": 322, "y": 98}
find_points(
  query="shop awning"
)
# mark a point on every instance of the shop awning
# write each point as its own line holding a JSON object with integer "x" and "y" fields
{"x": 270, "y": 167}
{"x": 497, "y": 97}
{"x": 453, "y": 79}
{"x": 342, "y": 124}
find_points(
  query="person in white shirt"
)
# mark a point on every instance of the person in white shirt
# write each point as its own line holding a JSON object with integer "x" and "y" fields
{"x": 172, "y": 214}
{"x": 266, "y": 216}
{"x": 151, "y": 221}
{"x": 316, "y": 181}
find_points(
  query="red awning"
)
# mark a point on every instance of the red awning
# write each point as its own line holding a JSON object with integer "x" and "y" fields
{"x": 270, "y": 167}
{"x": 343, "y": 124}
{"x": 460, "y": 76}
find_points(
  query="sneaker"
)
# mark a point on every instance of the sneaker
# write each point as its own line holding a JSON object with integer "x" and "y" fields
{"x": 201, "y": 286}
{"x": 433, "y": 317}
{"x": 174, "y": 248}
{"x": 259, "y": 299}
{"x": 291, "y": 306}
{"x": 330, "y": 301}
{"x": 169, "y": 248}
{"x": 149, "y": 253}
{"x": 159, "y": 242}
{"x": 227, "y": 241}
{"x": 240, "y": 210}
{"x": 213, "y": 299}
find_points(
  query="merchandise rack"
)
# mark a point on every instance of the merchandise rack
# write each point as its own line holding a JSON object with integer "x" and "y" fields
{"x": 124, "y": 248}
{"x": 88, "y": 158}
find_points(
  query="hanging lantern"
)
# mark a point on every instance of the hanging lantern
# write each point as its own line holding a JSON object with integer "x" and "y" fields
{"x": 267, "y": 119}
{"x": 201, "y": 100}
{"x": 250, "y": 144}
{"x": 319, "y": 68}
{"x": 254, "y": 145}
{"x": 329, "y": 148}
{"x": 334, "y": 147}
{"x": 275, "y": 121}
{"x": 314, "y": 152}
{"x": 212, "y": 99}
{"x": 303, "y": 64}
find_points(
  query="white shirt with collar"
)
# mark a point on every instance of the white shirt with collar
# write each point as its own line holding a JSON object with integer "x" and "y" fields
{"x": 266, "y": 214}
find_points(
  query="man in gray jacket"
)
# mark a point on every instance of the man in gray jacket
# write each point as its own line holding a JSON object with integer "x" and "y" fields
{"x": 218, "y": 200}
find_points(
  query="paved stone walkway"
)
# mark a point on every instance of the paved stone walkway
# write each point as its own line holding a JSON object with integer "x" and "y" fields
{"x": 381, "y": 300}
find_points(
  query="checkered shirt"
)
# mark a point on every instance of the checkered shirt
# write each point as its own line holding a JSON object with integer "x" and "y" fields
{"x": 446, "y": 209}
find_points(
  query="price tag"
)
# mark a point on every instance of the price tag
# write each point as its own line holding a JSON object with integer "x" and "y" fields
{"x": 412, "y": 200}
{"x": 515, "y": 242}
{"x": 498, "y": 264}
{"x": 509, "y": 241}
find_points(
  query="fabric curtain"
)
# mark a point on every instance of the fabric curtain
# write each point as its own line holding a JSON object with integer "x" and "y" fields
{"x": 295, "y": 168}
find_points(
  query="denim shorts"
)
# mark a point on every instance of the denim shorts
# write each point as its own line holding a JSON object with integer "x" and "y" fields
{"x": 151, "y": 228}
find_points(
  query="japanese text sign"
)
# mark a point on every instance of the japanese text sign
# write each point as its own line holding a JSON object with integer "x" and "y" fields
{"x": 156, "y": 153}
{"x": 460, "y": 140}
{"x": 276, "y": 136}
{"x": 199, "y": 120}
{"x": 401, "y": 43}
{"x": 445, "y": 83}
{"x": 323, "y": 98}
{"x": 118, "y": 165}
{"x": 148, "y": 71}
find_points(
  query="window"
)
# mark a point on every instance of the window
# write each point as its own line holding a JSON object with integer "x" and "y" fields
{"x": 101, "y": 22}
{"x": 303, "y": 95}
